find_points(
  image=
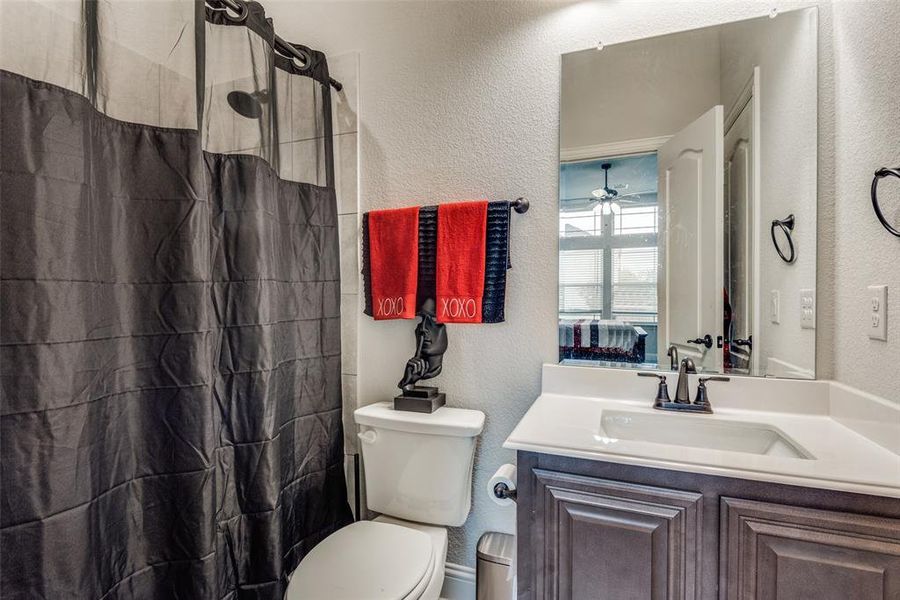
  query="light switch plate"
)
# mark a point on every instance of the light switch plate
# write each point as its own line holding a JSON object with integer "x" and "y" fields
{"x": 877, "y": 307}
{"x": 775, "y": 306}
{"x": 807, "y": 309}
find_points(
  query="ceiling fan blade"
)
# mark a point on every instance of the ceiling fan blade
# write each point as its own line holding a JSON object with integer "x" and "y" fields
{"x": 604, "y": 193}
{"x": 584, "y": 199}
{"x": 578, "y": 204}
{"x": 639, "y": 198}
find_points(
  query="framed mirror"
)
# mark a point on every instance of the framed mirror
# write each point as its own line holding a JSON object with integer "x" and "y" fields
{"x": 687, "y": 200}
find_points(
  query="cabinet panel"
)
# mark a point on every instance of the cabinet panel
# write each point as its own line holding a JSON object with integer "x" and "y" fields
{"x": 777, "y": 552}
{"x": 609, "y": 539}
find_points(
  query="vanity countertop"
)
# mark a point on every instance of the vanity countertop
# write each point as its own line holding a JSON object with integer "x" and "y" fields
{"x": 852, "y": 453}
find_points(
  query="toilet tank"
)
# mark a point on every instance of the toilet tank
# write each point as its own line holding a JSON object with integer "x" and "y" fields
{"x": 418, "y": 466}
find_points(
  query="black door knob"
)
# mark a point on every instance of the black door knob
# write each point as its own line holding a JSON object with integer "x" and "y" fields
{"x": 748, "y": 343}
{"x": 706, "y": 340}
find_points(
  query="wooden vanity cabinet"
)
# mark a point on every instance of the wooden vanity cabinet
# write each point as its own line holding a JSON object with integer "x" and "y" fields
{"x": 603, "y": 537}
{"x": 597, "y": 530}
{"x": 776, "y": 551}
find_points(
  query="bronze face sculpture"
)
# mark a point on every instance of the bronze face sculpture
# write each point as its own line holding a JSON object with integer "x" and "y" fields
{"x": 431, "y": 343}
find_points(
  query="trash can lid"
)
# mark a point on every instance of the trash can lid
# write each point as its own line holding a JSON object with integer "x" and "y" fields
{"x": 496, "y": 547}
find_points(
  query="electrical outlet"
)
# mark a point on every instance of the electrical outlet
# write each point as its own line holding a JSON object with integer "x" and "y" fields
{"x": 878, "y": 308}
{"x": 807, "y": 309}
{"x": 775, "y": 306}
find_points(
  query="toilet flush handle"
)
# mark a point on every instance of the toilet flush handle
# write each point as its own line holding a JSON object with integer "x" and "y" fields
{"x": 368, "y": 437}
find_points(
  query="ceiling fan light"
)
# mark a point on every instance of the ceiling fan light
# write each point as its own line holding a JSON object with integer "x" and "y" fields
{"x": 608, "y": 207}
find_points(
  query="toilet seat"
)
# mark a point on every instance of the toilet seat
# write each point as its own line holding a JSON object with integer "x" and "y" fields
{"x": 438, "y": 536}
{"x": 369, "y": 560}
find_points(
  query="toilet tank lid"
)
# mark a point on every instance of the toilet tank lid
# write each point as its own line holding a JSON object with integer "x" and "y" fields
{"x": 460, "y": 422}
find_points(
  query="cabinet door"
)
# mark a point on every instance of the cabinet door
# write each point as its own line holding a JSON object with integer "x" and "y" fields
{"x": 609, "y": 540}
{"x": 773, "y": 551}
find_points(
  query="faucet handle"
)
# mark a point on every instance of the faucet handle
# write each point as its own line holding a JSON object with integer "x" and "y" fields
{"x": 662, "y": 392}
{"x": 702, "y": 398}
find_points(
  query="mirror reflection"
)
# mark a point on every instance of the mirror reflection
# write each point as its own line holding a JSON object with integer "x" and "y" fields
{"x": 687, "y": 191}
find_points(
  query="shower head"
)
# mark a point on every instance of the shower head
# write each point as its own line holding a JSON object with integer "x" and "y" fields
{"x": 247, "y": 104}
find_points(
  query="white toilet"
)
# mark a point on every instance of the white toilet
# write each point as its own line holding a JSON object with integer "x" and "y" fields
{"x": 419, "y": 477}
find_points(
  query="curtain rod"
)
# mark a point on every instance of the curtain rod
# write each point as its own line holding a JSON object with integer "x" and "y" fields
{"x": 286, "y": 49}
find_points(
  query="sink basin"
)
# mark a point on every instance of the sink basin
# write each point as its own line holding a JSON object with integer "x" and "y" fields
{"x": 698, "y": 431}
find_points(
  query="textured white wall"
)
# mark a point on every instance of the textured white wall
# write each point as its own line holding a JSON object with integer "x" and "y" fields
{"x": 607, "y": 96}
{"x": 461, "y": 100}
{"x": 866, "y": 137}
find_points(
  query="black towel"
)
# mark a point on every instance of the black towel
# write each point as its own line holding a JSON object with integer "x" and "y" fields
{"x": 497, "y": 261}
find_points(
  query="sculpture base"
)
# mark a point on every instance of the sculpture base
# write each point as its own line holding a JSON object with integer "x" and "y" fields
{"x": 420, "y": 399}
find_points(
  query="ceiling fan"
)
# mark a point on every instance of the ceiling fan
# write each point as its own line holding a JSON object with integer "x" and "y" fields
{"x": 609, "y": 198}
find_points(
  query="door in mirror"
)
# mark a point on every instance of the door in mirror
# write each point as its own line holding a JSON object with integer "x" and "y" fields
{"x": 691, "y": 199}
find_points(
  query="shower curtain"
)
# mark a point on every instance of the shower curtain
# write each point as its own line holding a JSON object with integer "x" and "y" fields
{"x": 169, "y": 324}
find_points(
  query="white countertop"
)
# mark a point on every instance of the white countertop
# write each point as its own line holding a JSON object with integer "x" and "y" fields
{"x": 566, "y": 420}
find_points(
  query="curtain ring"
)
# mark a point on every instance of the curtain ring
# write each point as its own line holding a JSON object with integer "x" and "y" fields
{"x": 285, "y": 53}
{"x": 238, "y": 5}
{"x": 879, "y": 174}
{"x": 787, "y": 226}
{"x": 307, "y": 59}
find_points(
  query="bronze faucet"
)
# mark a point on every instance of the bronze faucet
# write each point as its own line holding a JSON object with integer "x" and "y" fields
{"x": 682, "y": 400}
{"x": 682, "y": 393}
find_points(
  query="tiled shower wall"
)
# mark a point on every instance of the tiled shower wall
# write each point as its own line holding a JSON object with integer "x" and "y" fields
{"x": 345, "y": 68}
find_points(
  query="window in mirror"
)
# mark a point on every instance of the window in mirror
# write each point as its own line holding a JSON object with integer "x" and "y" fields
{"x": 607, "y": 262}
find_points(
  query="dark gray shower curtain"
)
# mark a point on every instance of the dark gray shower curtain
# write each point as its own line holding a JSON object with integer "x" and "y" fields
{"x": 170, "y": 350}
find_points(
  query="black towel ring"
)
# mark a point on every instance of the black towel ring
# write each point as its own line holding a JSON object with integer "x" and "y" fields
{"x": 879, "y": 174}
{"x": 787, "y": 226}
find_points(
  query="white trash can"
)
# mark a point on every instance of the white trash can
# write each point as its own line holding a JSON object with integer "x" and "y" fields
{"x": 495, "y": 576}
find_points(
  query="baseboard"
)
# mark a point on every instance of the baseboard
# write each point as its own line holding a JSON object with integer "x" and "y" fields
{"x": 459, "y": 582}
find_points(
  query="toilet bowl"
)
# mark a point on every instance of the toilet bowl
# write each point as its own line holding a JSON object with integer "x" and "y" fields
{"x": 384, "y": 559}
{"x": 418, "y": 473}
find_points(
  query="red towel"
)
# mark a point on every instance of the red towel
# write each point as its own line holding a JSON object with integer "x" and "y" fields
{"x": 461, "y": 233}
{"x": 394, "y": 262}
